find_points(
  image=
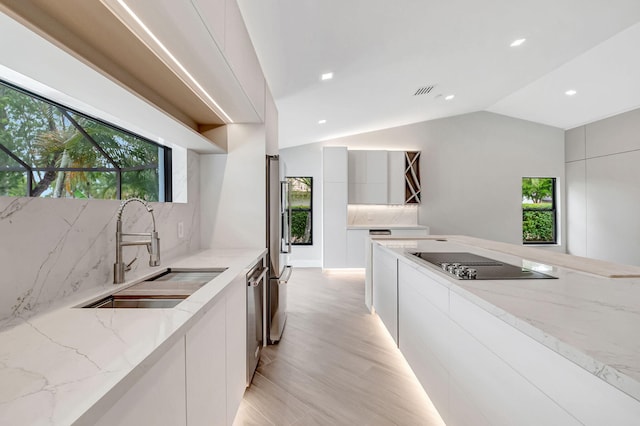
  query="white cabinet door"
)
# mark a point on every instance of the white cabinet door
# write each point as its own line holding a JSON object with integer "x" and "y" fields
{"x": 357, "y": 166}
{"x": 377, "y": 167}
{"x": 240, "y": 54}
{"x": 367, "y": 177}
{"x": 395, "y": 181}
{"x": 236, "y": 345}
{"x": 206, "y": 368}
{"x": 356, "y": 249}
{"x": 385, "y": 289}
{"x": 357, "y": 177}
{"x": 334, "y": 207}
{"x": 158, "y": 396}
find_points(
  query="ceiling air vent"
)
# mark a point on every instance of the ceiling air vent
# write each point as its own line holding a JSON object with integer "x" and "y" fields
{"x": 424, "y": 90}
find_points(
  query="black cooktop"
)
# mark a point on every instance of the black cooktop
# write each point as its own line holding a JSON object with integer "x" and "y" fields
{"x": 469, "y": 266}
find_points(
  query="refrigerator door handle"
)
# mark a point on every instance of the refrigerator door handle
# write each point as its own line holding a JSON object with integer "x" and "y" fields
{"x": 285, "y": 214}
{"x": 286, "y": 274}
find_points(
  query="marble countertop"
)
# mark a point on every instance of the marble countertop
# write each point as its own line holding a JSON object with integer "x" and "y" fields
{"x": 387, "y": 227}
{"x": 592, "y": 320}
{"x": 70, "y": 364}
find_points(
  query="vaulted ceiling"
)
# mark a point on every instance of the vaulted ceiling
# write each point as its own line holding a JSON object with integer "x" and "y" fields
{"x": 382, "y": 52}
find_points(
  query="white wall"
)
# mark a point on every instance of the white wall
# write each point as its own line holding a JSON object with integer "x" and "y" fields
{"x": 603, "y": 189}
{"x": 306, "y": 161}
{"x": 232, "y": 190}
{"x": 472, "y": 167}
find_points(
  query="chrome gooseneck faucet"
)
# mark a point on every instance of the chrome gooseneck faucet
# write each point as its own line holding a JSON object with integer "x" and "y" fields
{"x": 152, "y": 242}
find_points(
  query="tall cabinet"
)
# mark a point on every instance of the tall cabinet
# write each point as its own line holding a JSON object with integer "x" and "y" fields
{"x": 334, "y": 207}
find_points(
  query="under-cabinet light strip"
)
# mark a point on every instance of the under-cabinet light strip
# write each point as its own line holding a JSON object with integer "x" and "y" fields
{"x": 173, "y": 58}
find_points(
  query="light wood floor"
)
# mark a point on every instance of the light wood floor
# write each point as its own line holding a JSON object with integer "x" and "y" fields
{"x": 335, "y": 365}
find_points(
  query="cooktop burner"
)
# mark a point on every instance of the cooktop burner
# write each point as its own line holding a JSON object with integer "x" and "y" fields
{"x": 469, "y": 266}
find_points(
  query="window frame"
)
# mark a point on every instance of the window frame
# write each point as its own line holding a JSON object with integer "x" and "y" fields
{"x": 165, "y": 187}
{"x": 309, "y": 209}
{"x": 553, "y": 209}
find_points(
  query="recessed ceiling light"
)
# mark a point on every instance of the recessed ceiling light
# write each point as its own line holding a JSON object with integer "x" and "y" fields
{"x": 322, "y": 121}
{"x": 570, "y": 92}
{"x": 200, "y": 92}
{"x": 326, "y": 76}
{"x": 518, "y": 42}
{"x": 449, "y": 97}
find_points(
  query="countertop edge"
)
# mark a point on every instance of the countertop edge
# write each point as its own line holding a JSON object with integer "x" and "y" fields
{"x": 365, "y": 227}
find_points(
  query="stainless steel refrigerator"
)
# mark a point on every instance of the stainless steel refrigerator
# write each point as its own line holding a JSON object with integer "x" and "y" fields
{"x": 279, "y": 247}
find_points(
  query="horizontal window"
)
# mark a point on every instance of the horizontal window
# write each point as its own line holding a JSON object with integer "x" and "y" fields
{"x": 48, "y": 150}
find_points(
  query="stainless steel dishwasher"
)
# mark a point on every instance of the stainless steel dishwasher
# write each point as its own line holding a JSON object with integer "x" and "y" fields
{"x": 255, "y": 292}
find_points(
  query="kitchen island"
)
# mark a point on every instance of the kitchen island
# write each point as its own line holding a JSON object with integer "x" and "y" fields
{"x": 183, "y": 365}
{"x": 544, "y": 351}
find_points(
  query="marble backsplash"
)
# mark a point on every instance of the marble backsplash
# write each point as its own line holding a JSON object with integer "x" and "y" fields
{"x": 378, "y": 215}
{"x": 51, "y": 249}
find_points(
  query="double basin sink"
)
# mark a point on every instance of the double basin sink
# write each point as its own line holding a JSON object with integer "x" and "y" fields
{"x": 164, "y": 290}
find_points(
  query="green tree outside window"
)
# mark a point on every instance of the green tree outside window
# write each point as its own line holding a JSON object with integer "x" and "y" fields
{"x": 538, "y": 210}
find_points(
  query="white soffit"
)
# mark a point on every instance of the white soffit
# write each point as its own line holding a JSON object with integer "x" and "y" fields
{"x": 72, "y": 83}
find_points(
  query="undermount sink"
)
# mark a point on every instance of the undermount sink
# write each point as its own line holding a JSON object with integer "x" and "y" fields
{"x": 131, "y": 302}
{"x": 161, "y": 291}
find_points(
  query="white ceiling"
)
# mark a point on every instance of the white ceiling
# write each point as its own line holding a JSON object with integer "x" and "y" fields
{"x": 381, "y": 52}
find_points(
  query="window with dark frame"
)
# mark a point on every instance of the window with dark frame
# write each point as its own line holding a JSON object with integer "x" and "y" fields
{"x": 301, "y": 204}
{"x": 539, "y": 216}
{"x": 49, "y": 150}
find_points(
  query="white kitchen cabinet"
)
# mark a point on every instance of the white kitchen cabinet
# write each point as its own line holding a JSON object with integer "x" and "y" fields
{"x": 368, "y": 177}
{"x": 157, "y": 398}
{"x": 377, "y": 177}
{"x": 206, "y": 368}
{"x": 334, "y": 207}
{"x": 236, "y": 345}
{"x": 385, "y": 289}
